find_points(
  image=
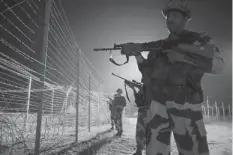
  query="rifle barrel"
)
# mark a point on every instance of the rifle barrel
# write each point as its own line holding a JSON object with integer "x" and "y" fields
{"x": 119, "y": 77}
{"x": 107, "y": 49}
{"x": 136, "y": 82}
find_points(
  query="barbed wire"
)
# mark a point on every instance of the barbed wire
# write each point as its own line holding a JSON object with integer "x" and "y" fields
{"x": 20, "y": 83}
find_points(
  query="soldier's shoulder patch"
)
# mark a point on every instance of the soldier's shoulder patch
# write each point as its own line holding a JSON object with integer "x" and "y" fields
{"x": 204, "y": 38}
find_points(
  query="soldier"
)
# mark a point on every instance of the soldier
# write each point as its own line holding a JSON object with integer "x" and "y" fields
{"x": 140, "y": 126}
{"x": 111, "y": 108}
{"x": 172, "y": 77}
{"x": 119, "y": 104}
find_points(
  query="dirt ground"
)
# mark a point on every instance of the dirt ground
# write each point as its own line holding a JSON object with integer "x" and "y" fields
{"x": 219, "y": 139}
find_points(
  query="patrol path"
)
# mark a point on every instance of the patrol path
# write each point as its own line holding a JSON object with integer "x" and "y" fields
{"x": 219, "y": 140}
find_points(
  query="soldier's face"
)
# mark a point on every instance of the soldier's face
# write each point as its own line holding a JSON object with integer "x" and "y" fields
{"x": 176, "y": 21}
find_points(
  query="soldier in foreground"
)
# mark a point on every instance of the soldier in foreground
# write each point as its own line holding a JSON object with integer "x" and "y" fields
{"x": 119, "y": 103}
{"x": 173, "y": 84}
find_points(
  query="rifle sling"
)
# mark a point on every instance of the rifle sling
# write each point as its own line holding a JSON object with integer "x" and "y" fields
{"x": 126, "y": 93}
{"x": 114, "y": 62}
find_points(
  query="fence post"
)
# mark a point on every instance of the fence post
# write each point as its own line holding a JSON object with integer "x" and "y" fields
{"x": 52, "y": 102}
{"x": 77, "y": 98}
{"x": 98, "y": 110}
{"x": 216, "y": 107}
{"x": 42, "y": 50}
{"x": 223, "y": 111}
{"x": 28, "y": 102}
{"x": 208, "y": 110}
{"x": 89, "y": 105}
{"x": 203, "y": 109}
{"x": 229, "y": 107}
{"x": 212, "y": 111}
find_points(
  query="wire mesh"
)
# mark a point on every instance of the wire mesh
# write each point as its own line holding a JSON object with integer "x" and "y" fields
{"x": 20, "y": 84}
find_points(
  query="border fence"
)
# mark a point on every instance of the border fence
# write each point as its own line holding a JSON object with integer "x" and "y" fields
{"x": 217, "y": 111}
{"x": 49, "y": 91}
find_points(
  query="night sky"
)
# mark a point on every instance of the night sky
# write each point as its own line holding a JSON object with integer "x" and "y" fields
{"x": 102, "y": 23}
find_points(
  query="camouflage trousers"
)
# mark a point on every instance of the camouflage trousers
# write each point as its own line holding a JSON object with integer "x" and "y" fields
{"x": 112, "y": 120}
{"x": 186, "y": 123}
{"x": 118, "y": 119}
{"x": 141, "y": 128}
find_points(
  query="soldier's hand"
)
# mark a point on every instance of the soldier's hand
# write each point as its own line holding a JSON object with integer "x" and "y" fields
{"x": 129, "y": 84}
{"x": 131, "y": 49}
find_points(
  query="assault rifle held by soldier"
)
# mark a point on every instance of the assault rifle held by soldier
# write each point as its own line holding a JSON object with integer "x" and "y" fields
{"x": 154, "y": 46}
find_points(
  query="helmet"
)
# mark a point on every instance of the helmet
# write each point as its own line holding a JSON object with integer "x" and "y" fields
{"x": 119, "y": 90}
{"x": 177, "y": 5}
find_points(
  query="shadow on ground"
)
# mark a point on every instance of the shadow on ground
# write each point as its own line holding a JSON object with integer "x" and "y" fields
{"x": 89, "y": 147}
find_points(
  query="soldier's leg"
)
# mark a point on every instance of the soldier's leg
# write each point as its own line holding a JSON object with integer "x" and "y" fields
{"x": 188, "y": 128}
{"x": 120, "y": 121}
{"x": 158, "y": 130}
{"x": 112, "y": 121}
{"x": 141, "y": 129}
{"x": 116, "y": 122}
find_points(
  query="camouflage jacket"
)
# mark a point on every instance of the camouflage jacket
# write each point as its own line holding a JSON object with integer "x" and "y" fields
{"x": 138, "y": 98}
{"x": 179, "y": 81}
{"x": 119, "y": 102}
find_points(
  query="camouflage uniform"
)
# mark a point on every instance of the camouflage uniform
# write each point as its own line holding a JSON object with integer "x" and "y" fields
{"x": 119, "y": 103}
{"x": 141, "y": 125}
{"x": 176, "y": 97}
{"x": 175, "y": 94}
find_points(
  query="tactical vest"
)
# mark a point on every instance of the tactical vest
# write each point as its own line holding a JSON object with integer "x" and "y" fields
{"x": 179, "y": 81}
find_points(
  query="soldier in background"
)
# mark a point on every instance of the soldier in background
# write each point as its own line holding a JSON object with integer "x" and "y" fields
{"x": 111, "y": 113}
{"x": 119, "y": 103}
{"x": 112, "y": 110}
{"x": 173, "y": 84}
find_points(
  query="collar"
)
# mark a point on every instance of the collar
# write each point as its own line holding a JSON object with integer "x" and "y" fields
{"x": 175, "y": 36}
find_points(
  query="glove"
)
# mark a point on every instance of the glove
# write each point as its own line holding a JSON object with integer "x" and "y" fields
{"x": 131, "y": 49}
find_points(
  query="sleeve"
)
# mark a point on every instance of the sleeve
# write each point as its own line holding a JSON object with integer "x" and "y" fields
{"x": 217, "y": 60}
{"x": 204, "y": 54}
{"x": 137, "y": 98}
{"x": 145, "y": 63}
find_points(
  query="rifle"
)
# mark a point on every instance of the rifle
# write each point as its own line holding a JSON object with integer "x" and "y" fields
{"x": 111, "y": 100}
{"x": 132, "y": 83}
{"x": 156, "y": 46}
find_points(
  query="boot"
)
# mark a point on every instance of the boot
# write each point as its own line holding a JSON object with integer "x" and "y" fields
{"x": 138, "y": 152}
{"x": 119, "y": 133}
